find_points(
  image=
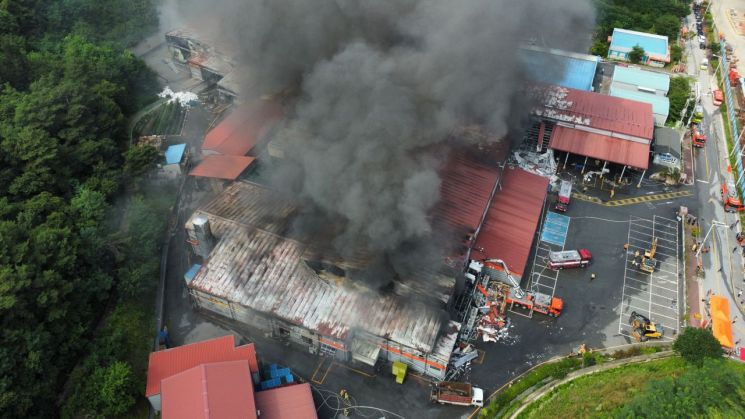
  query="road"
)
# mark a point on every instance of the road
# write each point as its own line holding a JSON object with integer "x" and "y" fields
{"x": 723, "y": 266}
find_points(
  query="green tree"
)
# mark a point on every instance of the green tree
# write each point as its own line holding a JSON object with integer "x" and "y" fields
{"x": 115, "y": 389}
{"x": 667, "y": 25}
{"x": 138, "y": 160}
{"x": 676, "y": 53}
{"x": 696, "y": 344}
{"x": 637, "y": 54}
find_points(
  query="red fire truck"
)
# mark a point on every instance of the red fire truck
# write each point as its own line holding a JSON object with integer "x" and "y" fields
{"x": 538, "y": 302}
{"x": 579, "y": 258}
{"x": 565, "y": 192}
{"x": 729, "y": 198}
{"x": 698, "y": 138}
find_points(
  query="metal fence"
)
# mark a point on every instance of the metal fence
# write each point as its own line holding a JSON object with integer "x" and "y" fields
{"x": 730, "y": 99}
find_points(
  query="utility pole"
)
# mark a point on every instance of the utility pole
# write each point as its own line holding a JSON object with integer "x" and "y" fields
{"x": 713, "y": 223}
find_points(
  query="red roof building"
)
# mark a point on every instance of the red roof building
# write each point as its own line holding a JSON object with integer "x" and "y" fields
{"x": 218, "y": 166}
{"x": 210, "y": 391}
{"x": 294, "y": 402}
{"x": 597, "y": 126}
{"x": 169, "y": 362}
{"x": 242, "y": 130}
{"x": 512, "y": 219}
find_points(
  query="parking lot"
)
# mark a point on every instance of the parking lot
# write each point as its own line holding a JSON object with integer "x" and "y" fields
{"x": 552, "y": 238}
{"x": 655, "y": 295}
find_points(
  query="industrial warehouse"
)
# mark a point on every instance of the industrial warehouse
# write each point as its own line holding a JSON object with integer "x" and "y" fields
{"x": 258, "y": 271}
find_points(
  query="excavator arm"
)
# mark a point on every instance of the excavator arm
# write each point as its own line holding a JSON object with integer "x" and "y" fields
{"x": 519, "y": 293}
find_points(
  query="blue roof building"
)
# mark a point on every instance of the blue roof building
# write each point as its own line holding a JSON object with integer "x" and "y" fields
{"x": 642, "y": 80}
{"x": 660, "y": 104}
{"x": 563, "y": 68}
{"x": 656, "y": 48}
{"x": 175, "y": 153}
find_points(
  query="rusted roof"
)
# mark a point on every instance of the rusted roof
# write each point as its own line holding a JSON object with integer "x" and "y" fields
{"x": 512, "y": 219}
{"x": 601, "y": 147}
{"x": 593, "y": 110}
{"x": 222, "y": 167}
{"x": 287, "y": 402}
{"x": 220, "y": 390}
{"x": 169, "y": 362}
{"x": 243, "y": 129}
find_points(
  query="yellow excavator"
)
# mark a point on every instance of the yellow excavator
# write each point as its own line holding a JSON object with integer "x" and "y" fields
{"x": 644, "y": 329}
{"x": 648, "y": 262}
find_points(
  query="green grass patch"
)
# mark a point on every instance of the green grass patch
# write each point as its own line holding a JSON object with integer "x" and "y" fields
{"x": 599, "y": 394}
{"x": 506, "y": 399}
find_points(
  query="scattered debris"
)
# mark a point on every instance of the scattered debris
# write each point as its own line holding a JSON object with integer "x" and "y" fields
{"x": 184, "y": 99}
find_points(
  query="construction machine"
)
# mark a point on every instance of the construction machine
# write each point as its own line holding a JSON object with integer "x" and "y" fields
{"x": 644, "y": 329}
{"x": 648, "y": 263}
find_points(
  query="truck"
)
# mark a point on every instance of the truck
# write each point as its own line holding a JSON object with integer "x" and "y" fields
{"x": 579, "y": 258}
{"x": 565, "y": 193}
{"x": 717, "y": 97}
{"x": 698, "y": 138}
{"x": 538, "y": 302}
{"x": 460, "y": 394}
{"x": 729, "y": 198}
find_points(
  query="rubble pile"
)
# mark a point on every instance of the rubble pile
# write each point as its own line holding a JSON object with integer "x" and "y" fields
{"x": 540, "y": 164}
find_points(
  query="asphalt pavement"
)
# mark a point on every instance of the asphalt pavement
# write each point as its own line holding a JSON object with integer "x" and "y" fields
{"x": 724, "y": 264}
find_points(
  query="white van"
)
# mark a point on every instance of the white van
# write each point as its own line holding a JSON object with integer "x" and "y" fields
{"x": 705, "y": 64}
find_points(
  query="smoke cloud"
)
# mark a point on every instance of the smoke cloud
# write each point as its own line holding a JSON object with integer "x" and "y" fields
{"x": 381, "y": 86}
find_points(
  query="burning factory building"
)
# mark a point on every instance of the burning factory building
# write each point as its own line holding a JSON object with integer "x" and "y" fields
{"x": 259, "y": 269}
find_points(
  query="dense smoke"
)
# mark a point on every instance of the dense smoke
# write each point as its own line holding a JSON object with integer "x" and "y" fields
{"x": 381, "y": 85}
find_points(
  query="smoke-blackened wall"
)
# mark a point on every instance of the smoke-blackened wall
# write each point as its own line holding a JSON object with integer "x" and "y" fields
{"x": 381, "y": 85}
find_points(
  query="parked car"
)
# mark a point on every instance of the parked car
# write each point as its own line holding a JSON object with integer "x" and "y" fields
{"x": 701, "y": 39}
{"x": 702, "y": 45}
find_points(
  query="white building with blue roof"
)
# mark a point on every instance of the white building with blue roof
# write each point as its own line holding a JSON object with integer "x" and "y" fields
{"x": 643, "y": 86}
{"x": 656, "y": 48}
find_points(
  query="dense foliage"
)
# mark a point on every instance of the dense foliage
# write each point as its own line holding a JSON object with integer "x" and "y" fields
{"x": 678, "y": 94}
{"x": 716, "y": 390}
{"x": 661, "y": 17}
{"x": 64, "y": 96}
{"x": 695, "y": 345}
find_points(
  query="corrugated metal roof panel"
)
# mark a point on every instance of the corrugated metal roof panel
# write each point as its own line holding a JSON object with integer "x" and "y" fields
{"x": 625, "y": 40}
{"x": 169, "y": 362}
{"x": 243, "y": 129}
{"x": 222, "y": 167}
{"x": 512, "y": 219}
{"x": 660, "y": 104}
{"x": 564, "y": 68}
{"x": 642, "y": 78}
{"x": 594, "y": 110}
{"x": 287, "y": 402}
{"x": 600, "y": 147}
{"x": 210, "y": 391}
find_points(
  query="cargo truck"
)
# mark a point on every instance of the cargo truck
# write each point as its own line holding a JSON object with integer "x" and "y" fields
{"x": 461, "y": 394}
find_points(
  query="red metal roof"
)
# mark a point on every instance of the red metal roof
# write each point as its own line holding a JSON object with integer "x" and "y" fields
{"x": 220, "y": 390}
{"x": 164, "y": 364}
{"x": 510, "y": 225}
{"x": 597, "y": 111}
{"x": 600, "y": 147}
{"x": 222, "y": 167}
{"x": 286, "y": 402}
{"x": 242, "y": 130}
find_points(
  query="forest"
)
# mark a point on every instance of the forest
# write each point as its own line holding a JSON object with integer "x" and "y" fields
{"x": 69, "y": 254}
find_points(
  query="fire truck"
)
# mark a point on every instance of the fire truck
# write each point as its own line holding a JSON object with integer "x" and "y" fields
{"x": 516, "y": 296}
{"x": 729, "y": 198}
{"x": 698, "y": 138}
{"x": 565, "y": 192}
{"x": 579, "y": 258}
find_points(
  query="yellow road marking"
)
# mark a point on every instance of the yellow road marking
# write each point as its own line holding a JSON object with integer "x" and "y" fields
{"x": 320, "y": 364}
{"x": 354, "y": 370}
{"x": 706, "y": 157}
{"x": 635, "y": 200}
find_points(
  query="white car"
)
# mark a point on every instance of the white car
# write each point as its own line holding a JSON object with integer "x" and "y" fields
{"x": 701, "y": 39}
